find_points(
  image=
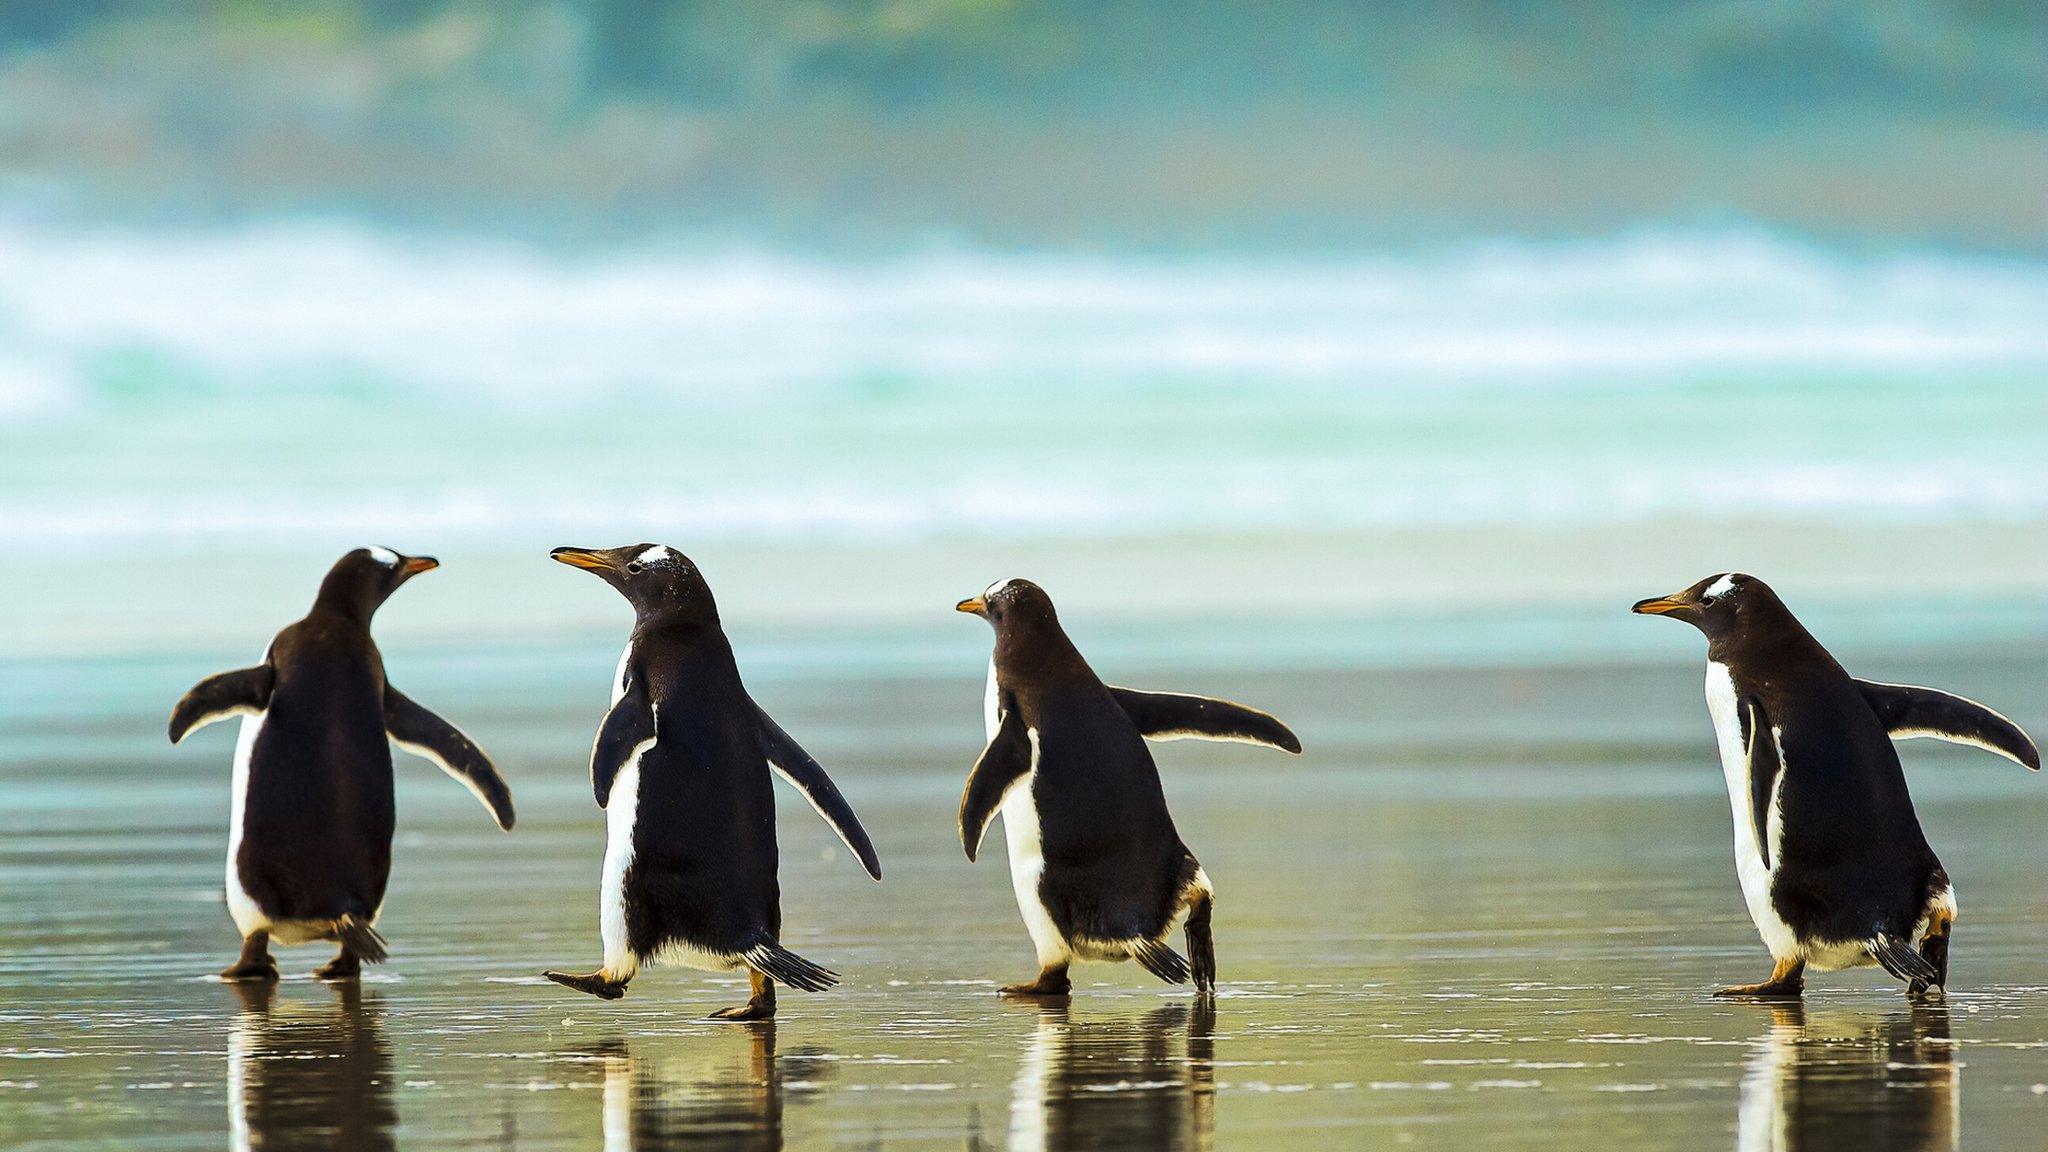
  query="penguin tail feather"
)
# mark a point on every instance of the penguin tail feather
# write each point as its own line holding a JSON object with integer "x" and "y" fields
{"x": 360, "y": 938}
{"x": 785, "y": 967}
{"x": 1161, "y": 961}
{"x": 1900, "y": 960}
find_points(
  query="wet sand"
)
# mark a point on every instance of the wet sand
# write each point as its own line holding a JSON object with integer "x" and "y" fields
{"x": 1484, "y": 910}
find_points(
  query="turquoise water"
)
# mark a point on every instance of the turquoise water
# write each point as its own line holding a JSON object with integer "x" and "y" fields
{"x": 325, "y": 382}
{"x": 1484, "y": 447}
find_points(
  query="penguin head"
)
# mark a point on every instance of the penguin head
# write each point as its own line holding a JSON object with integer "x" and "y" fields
{"x": 660, "y": 582}
{"x": 1012, "y": 606}
{"x": 362, "y": 580}
{"x": 1721, "y": 606}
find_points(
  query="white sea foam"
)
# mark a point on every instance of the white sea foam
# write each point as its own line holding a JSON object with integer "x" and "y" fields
{"x": 331, "y": 380}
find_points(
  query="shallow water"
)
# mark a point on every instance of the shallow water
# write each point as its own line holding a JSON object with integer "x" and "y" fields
{"x": 1497, "y": 931}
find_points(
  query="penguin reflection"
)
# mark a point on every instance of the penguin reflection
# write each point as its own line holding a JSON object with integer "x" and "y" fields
{"x": 312, "y": 1076}
{"x": 708, "y": 1094}
{"x": 1116, "y": 1083}
{"x": 1844, "y": 1080}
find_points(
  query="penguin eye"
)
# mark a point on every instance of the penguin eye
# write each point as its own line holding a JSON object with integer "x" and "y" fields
{"x": 635, "y": 567}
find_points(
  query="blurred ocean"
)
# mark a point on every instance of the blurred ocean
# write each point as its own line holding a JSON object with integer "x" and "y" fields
{"x": 295, "y": 389}
{"x": 320, "y": 379}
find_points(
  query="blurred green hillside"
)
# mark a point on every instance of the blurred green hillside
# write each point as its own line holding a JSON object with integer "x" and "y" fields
{"x": 1142, "y": 124}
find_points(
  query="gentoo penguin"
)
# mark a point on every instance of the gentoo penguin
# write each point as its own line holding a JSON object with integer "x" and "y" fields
{"x": 309, "y": 837}
{"x": 1099, "y": 870}
{"x": 681, "y": 767}
{"x": 1834, "y": 867}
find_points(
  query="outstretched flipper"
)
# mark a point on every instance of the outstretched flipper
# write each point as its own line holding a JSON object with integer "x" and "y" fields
{"x": 1007, "y": 760}
{"x": 1900, "y": 960}
{"x": 243, "y": 692}
{"x": 1765, "y": 766}
{"x": 1176, "y": 716}
{"x": 801, "y": 769}
{"x": 1909, "y": 711}
{"x": 424, "y": 734}
{"x": 627, "y": 729}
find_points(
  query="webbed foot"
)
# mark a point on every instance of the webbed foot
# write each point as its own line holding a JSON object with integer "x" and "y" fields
{"x": 1051, "y": 981}
{"x": 594, "y": 983}
{"x": 255, "y": 965}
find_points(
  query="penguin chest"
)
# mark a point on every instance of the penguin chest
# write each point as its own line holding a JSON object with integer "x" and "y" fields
{"x": 618, "y": 896}
{"x": 1750, "y": 868}
{"x": 1026, "y": 841}
{"x": 620, "y": 815}
{"x": 1025, "y": 838}
{"x": 624, "y": 953}
{"x": 247, "y": 915}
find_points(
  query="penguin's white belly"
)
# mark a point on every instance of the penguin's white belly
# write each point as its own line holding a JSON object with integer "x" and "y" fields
{"x": 1749, "y": 861}
{"x": 621, "y": 813}
{"x": 1027, "y": 867}
{"x": 248, "y": 917}
{"x": 620, "y": 816}
{"x": 1027, "y": 847}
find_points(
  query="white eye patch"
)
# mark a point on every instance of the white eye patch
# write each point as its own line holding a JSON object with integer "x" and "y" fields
{"x": 1721, "y": 587}
{"x": 653, "y": 556}
{"x": 384, "y": 556}
{"x": 989, "y": 592}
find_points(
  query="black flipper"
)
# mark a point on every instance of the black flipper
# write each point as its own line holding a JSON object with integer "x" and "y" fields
{"x": 238, "y": 693}
{"x": 1908, "y": 712}
{"x": 424, "y": 734}
{"x": 1900, "y": 960}
{"x": 626, "y": 727}
{"x": 785, "y": 967}
{"x": 801, "y": 769}
{"x": 1764, "y": 769}
{"x": 1161, "y": 961}
{"x": 1006, "y": 760}
{"x": 1176, "y": 716}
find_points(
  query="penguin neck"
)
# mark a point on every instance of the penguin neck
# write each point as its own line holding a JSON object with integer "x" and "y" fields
{"x": 344, "y": 597}
{"x": 675, "y": 621}
{"x": 1777, "y": 638}
{"x": 1041, "y": 647}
